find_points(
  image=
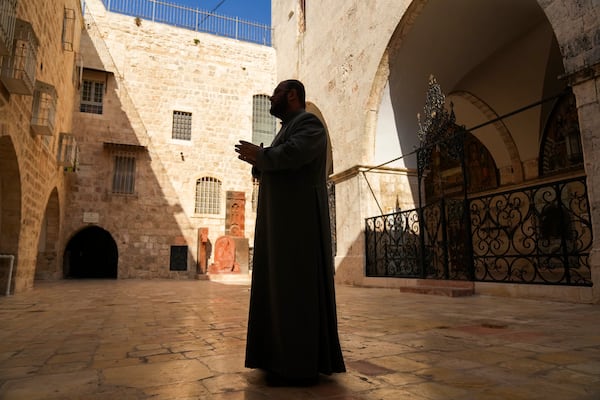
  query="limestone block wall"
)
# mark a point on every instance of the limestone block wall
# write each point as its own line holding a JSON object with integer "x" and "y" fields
{"x": 153, "y": 70}
{"x": 34, "y": 179}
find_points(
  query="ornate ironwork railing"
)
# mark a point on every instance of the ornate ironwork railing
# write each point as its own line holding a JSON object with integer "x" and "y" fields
{"x": 541, "y": 234}
{"x": 393, "y": 245}
{"x": 536, "y": 235}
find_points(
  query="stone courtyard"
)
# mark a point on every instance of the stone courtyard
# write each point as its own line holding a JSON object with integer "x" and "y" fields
{"x": 175, "y": 340}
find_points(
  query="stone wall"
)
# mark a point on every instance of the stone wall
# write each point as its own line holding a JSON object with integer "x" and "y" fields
{"x": 29, "y": 174}
{"x": 152, "y": 70}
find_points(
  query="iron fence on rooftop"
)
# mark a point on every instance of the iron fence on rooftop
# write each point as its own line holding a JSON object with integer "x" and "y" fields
{"x": 192, "y": 18}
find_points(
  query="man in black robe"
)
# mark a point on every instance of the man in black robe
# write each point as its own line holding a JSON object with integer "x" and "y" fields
{"x": 292, "y": 324}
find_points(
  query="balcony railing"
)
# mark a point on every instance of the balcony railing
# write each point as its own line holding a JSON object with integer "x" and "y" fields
{"x": 192, "y": 18}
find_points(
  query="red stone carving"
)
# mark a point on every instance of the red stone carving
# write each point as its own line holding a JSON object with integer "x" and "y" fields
{"x": 224, "y": 257}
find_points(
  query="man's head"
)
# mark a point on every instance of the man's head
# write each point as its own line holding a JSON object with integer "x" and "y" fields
{"x": 289, "y": 97}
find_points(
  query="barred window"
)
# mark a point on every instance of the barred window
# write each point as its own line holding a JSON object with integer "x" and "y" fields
{"x": 92, "y": 94}
{"x": 182, "y": 125}
{"x": 263, "y": 123}
{"x": 208, "y": 195}
{"x": 124, "y": 174}
{"x": 68, "y": 31}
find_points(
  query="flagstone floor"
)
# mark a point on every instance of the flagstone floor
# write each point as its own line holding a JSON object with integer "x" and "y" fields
{"x": 176, "y": 340}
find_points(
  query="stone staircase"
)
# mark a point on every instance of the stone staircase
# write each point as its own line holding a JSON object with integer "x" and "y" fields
{"x": 440, "y": 288}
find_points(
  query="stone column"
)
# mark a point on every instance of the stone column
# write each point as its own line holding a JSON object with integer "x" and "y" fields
{"x": 586, "y": 86}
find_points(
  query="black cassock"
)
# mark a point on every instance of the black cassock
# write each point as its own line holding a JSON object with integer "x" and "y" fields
{"x": 292, "y": 324}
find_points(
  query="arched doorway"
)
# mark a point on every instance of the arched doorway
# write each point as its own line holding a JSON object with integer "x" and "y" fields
{"x": 10, "y": 209}
{"x": 47, "y": 266}
{"x": 91, "y": 254}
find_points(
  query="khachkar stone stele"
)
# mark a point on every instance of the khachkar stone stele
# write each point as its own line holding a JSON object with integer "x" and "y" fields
{"x": 231, "y": 249}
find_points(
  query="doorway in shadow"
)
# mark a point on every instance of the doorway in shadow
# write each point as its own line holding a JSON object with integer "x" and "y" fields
{"x": 91, "y": 254}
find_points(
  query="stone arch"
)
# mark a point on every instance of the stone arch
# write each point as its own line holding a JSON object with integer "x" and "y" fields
{"x": 10, "y": 208}
{"x": 515, "y": 173}
{"x": 47, "y": 264}
{"x": 382, "y": 74}
{"x": 312, "y": 108}
{"x": 577, "y": 13}
{"x": 456, "y": 57}
{"x": 91, "y": 253}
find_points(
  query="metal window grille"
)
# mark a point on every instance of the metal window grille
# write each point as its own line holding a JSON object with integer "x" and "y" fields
{"x": 263, "y": 123}
{"x": 208, "y": 195}
{"x": 43, "y": 109}
{"x": 8, "y": 12}
{"x": 68, "y": 32}
{"x": 67, "y": 151}
{"x": 124, "y": 174}
{"x": 19, "y": 68}
{"x": 182, "y": 125}
{"x": 92, "y": 94}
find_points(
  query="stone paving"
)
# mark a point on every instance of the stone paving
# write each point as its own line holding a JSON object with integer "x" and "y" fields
{"x": 176, "y": 340}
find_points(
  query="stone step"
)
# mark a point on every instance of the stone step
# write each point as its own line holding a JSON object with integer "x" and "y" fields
{"x": 231, "y": 279}
{"x": 441, "y": 288}
{"x": 439, "y": 291}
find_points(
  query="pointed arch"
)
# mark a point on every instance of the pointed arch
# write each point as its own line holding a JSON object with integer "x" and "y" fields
{"x": 509, "y": 151}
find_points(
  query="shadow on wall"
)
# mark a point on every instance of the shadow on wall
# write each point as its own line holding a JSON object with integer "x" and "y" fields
{"x": 122, "y": 180}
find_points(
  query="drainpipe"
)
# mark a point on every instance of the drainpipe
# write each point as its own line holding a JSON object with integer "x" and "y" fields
{"x": 10, "y": 269}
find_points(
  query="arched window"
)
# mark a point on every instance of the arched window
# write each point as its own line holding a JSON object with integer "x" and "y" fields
{"x": 263, "y": 123}
{"x": 208, "y": 196}
{"x": 561, "y": 143}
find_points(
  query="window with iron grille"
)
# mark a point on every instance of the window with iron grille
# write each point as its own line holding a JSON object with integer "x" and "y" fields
{"x": 43, "y": 109}
{"x": 263, "y": 123}
{"x": 208, "y": 195}
{"x": 182, "y": 125}
{"x": 124, "y": 174}
{"x": 92, "y": 93}
{"x": 68, "y": 29}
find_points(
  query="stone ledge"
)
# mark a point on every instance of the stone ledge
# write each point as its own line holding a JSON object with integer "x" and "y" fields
{"x": 440, "y": 288}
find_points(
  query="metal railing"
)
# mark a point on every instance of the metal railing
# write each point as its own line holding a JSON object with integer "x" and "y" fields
{"x": 539, "y": 234}
{"x": 192, "y": 18}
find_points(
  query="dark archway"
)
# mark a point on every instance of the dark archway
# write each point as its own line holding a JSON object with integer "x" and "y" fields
{"x": 10, "y": 212}
{"x": 91, "y": 254}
